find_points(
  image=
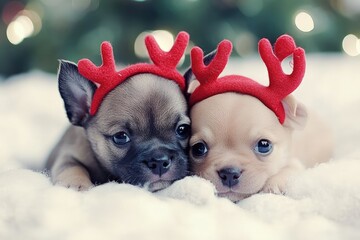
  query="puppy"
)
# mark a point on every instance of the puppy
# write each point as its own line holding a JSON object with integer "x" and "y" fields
{"x": 242, "y": 132}
{"x": 131, "y": 126}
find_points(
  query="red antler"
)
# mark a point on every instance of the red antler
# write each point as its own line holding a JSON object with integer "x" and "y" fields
{"x": 280, "y": 84}
{"x": 103, "y": 73}
{"x": 108, "y": 78}
{"x": 211, "y": 72}
{"x": 167, "y": 59}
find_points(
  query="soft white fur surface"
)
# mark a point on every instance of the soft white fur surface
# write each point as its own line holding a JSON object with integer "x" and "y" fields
{"x": 321, "y": 203}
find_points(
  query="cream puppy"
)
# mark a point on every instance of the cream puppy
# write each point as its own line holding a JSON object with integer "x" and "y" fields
{"x": 240, "y": 141}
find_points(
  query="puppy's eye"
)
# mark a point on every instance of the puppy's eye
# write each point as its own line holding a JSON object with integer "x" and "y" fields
{"x": 183, "y": 131}
{"x": 199, "y": 149}
{"x": 120, "y": 138}
{"x": 263, "y": 147}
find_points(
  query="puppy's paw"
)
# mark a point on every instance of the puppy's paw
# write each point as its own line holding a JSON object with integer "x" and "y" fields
{"x": 70, "y": 178}
{"x": 76, "y": 183}
{"x": 276, "y": 185}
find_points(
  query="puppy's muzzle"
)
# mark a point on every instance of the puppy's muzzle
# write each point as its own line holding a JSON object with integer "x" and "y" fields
{"x": 230, "y": 176}
{"x": 159, "y": 163}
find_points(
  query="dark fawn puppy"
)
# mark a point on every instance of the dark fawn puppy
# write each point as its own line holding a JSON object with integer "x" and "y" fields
{"x": 129, "y": 126}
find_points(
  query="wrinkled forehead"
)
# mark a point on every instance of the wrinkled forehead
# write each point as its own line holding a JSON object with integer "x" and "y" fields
{"x": 142, "y": 100}
{"x": 231, "y": 114}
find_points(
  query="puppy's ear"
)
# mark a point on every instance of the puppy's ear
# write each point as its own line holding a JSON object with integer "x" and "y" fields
{"x": 296, "y": 113}
{"x": 76, "y": 91}
{"x": 192, "y": 86}
{"x": 191, "y": 82}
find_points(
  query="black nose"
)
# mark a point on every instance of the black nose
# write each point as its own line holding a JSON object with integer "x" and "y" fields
{"x": 229, "y": 176}
{"x": 159, "y": 164}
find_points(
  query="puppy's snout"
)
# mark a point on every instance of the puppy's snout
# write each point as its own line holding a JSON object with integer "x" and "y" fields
{"x": 159, "y": 164}
{"x": 229, "y": 176}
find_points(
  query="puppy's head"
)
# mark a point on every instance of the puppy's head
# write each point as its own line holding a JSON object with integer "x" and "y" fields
{"x": 140, "y": 131}
{"x": 241, "y": 130}
{"x": 238, "y": 143}
{"x": 135, "y": 119}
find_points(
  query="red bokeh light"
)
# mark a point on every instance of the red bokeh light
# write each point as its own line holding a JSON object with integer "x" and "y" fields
{"x": 10, "y": 10}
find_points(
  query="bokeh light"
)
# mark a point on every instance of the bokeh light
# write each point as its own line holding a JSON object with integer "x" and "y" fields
{"x": 348, "y": 8}
{"x": 26, "y": 23}
{"x": 10, "y": 10}
{"x": 304, "y": 22}
{"x": 81, "y": 5}
{"x": 35, "y": 19}
{"x": 245, "y": 44}
{"x": 164, "y": 39}
{"x": 139, "y": 45}
{"x": 77, "y": 28}
{"x": 21, "y": 28}
{"x": 250, "y": 8}
{"x": 351, "y": 45}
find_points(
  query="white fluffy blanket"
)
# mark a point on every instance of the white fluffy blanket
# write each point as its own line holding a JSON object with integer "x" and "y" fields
{"x": 322, "y": 203}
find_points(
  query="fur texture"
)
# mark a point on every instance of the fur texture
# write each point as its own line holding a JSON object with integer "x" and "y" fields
{"x": 231, "y": 125}
{"x": 142, "y": 142}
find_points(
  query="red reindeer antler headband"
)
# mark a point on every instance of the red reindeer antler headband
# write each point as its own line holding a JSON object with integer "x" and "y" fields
{"x": 108, "y": 78}
{"x": 280, "y": 84}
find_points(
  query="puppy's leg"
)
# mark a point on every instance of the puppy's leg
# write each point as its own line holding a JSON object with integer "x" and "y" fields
{"x": 72, "y": 174}
{"x": 72, "y": 163}
{"x": 278, "y": 183}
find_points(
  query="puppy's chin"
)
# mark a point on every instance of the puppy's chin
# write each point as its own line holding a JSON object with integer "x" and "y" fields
{"x": 251, "y": 181}
{"x": 157, "y": 185}
{"x": 240, "y": 191}
{"x": 233, "y": 196}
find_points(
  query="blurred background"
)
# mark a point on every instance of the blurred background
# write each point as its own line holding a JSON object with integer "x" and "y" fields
{"x": 35, "y": 33}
